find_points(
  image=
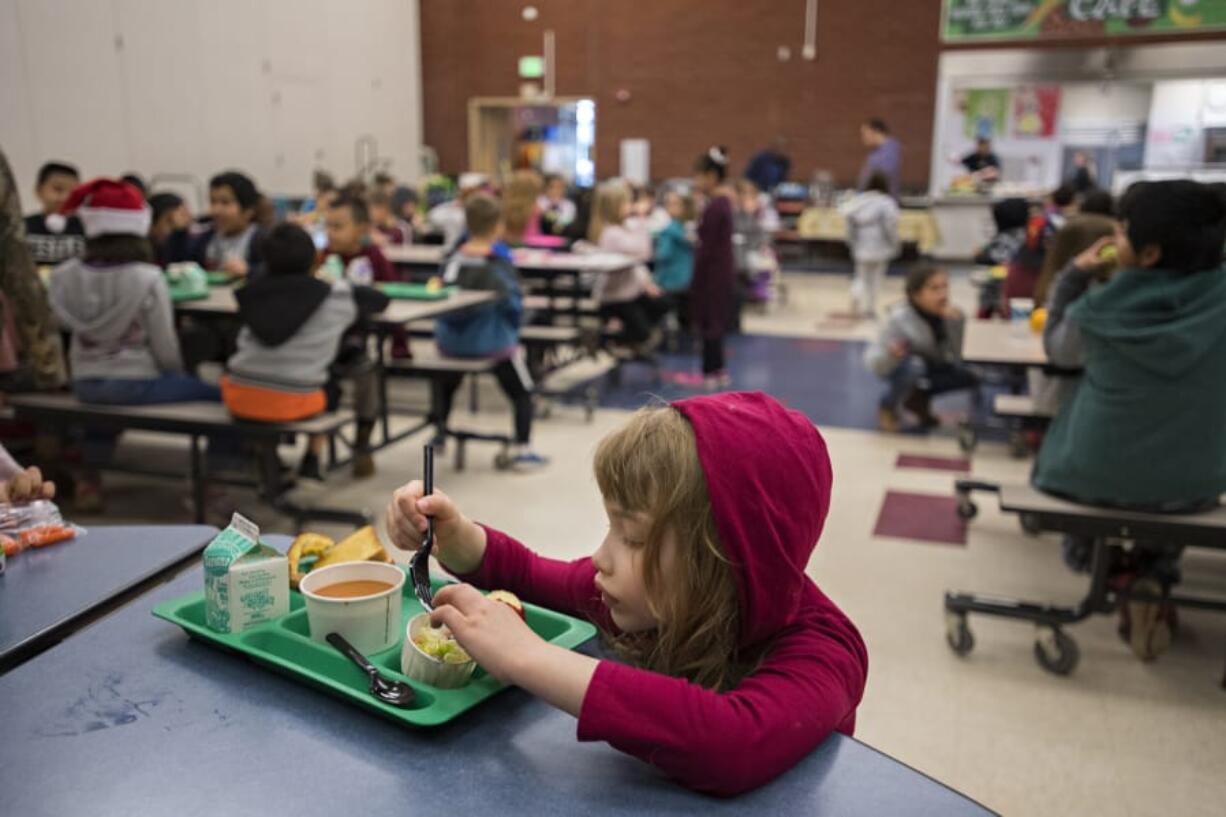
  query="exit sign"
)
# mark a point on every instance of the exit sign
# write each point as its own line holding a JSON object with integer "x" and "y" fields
{"x": 531, "y": 67}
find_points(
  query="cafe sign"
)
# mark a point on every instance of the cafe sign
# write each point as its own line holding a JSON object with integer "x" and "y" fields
{"x": 971, "y": 20}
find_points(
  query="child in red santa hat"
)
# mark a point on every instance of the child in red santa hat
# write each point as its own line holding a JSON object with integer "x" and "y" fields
{"x": 116, "y": 303}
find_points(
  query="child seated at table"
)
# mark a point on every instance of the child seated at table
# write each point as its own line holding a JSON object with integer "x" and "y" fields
{"x": 169, "y": 223}
{"x": 556, "y": 210}
{"x": 389, "y": 230}
{"x": 919, "y": 351}
{"x": 50, "y": 236}
{"x": 358, "y": 257}
{"x": 1143, "y": 429}
{"x": 1027, "y": 263}
{"x": 521, "y": 216}
{"x": 629, "y": 295}
{"x": 1010, "y": 217}
{"x": 287, "y": 366}
{"x": 349, "y": 239}
{"x": 1095, "y": 220}
{"x": 734, "y": 664}
{"x": 116, "y": 304}
{"x": 487, "y": 331}
{"x": 645, "y": 207}
{"x": 405, "y": 208}
{"x": 232, "y": 241}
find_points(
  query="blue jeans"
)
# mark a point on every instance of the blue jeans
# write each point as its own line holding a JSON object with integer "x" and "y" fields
{"x": 98, "y": 446}
{"x": 167, "y": 388}
{"x": 913, "y": 372}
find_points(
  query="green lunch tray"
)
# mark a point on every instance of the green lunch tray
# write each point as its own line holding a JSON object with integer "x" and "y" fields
{"x": 180, "y": 295}
{"x": 285, "y": 646}
{"x": 415, "y": 292}
{"x": 219, "y": 278}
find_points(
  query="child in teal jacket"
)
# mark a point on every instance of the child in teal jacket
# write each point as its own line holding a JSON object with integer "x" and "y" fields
{"x": 1144, "y": 428}
{"x": 674, "y": 252}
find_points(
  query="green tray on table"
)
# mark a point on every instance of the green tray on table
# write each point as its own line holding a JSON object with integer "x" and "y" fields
{"x": 219, "y": 278}
{"x": 181, "y": 294}
{"x": 285, "y": 646}
{"x": 399, "y": 291}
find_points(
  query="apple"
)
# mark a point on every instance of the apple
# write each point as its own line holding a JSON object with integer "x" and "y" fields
{"x": 509, "y": 599}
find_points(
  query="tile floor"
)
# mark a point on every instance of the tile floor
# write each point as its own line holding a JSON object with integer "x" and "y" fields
{"x": 1117, "y": 737}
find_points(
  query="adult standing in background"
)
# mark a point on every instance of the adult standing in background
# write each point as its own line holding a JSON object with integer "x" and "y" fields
{"x": 30, "y": 355}
{"x": 885, "y": 155}
{"x": 769, "y": 166}
{"x": 1082, "y": 178}
{"x": 982, "y": 161}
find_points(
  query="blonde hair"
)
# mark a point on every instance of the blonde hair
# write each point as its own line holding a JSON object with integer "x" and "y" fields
{"x": 519, "y": 201}
{"x": 611, "y": 199}
{"x": 650, "y": 466}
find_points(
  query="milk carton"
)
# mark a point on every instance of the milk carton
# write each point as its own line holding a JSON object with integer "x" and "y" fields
{"x": 245, "y": 583}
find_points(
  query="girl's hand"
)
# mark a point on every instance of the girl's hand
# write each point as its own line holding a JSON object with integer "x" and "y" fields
{"x": 490, "y": 631}
{"x": 460, "y": 545}
{"x": 27, "y": 486}
{"x": 899, "y": 348}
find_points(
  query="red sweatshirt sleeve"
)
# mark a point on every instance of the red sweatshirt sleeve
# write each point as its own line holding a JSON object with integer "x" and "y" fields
{"x": 568, "y": 587}
{"x": 723, "y": 743}
{"x": 727, "y": 743}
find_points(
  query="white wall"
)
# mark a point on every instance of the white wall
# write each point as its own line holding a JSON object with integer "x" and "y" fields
{"x": 275, "y": 88}
{"x": 1181, "y": 111}
{"x": 1089, "y": 104}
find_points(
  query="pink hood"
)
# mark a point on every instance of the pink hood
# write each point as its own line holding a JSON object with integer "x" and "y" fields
{"x": 769, "y": 478}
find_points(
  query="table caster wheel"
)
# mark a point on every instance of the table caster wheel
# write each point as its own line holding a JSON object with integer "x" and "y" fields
{"x": 1019, "y": 449}
{"x": 1056, "y": 652}
{"x": 502, "y": 461}
{"x": 958, "y": 635}
{"x": 967, "y": 509}
{"x": 1030, "y": 524}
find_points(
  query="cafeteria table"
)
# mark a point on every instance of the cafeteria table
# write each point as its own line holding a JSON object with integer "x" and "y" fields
{"x": 130, "y": 715}
{"x": 47, "y": 592}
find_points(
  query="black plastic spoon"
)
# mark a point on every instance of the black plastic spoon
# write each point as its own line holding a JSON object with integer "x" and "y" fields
{"x": 396, "y": 693}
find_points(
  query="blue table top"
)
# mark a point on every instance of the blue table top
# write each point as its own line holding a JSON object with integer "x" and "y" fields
{"x": 44, "y": 589}
{"x": 130, "y": 712}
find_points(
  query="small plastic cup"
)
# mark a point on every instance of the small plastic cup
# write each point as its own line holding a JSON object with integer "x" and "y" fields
{"x": 436, "y": 672}
{"x": 1019, "y": 314}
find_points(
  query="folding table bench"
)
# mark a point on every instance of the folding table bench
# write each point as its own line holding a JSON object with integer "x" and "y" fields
{"x": 1055, "y": 650}
{"x": 195, "y": 421}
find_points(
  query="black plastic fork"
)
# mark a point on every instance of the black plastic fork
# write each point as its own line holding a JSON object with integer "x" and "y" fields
{"x": 419, "y": 566}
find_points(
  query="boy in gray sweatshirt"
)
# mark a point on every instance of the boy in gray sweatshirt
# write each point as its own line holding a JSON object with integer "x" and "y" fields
{"x": 295, "y": 346}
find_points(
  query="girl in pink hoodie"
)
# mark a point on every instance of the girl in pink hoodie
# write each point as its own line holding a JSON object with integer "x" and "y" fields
{"x": 735, "y": 665}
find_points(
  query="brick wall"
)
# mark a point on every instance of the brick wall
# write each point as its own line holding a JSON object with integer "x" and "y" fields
{"x": 700, "y": 72}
